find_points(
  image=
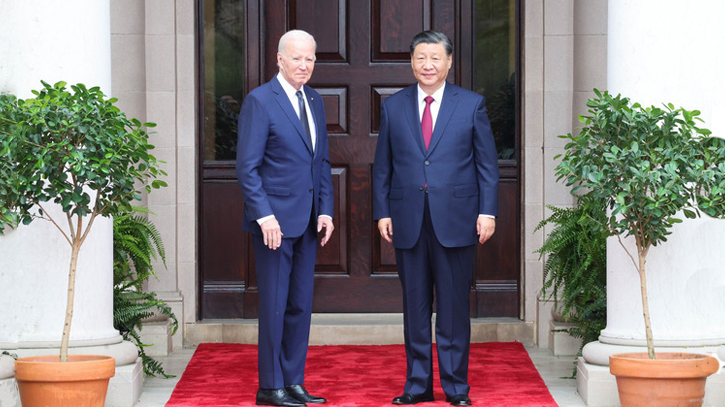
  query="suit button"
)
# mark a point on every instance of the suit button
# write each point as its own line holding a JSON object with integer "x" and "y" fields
{"x": 426, "y": 191}
{"x": 421, "y": 187}
{"x": 427, "y": 162}
{"x": 312, "y": 190}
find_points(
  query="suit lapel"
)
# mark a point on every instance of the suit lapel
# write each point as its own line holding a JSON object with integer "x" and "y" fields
{"x": 448, "y": 106}
{"x": 287, "y": 108}
{"x": 413, "y": 117}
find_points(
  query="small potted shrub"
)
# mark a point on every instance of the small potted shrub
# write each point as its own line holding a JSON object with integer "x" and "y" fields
{"x": 651, "y": 167}
{"x": 74, "y": 149}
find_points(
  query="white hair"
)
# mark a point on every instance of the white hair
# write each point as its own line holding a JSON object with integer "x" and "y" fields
{"x": 294, "y": 34}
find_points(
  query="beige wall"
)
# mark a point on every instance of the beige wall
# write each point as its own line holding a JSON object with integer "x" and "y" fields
{"x": 564, "y": 57}
{"x": 153, "y": 68}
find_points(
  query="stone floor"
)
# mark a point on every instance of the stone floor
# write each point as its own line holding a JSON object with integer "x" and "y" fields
{"x": 553, "y": 370}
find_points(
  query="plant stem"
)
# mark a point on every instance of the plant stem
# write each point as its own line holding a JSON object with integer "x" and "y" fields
{"x": 645, "y": 306}
{"x": 76, "y": 247}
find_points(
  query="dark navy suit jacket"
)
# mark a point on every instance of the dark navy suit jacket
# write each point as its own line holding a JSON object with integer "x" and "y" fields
{"x": 460, "y": 168}
{"x": 278, "y": 172}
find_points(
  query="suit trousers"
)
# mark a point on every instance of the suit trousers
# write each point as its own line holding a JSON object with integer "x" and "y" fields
{"x": 285, "y": 278}
{"x": 425, "y": 269}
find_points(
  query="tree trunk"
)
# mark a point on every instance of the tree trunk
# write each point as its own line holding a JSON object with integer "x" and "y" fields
{"x": 76, "y": 247}
{"x": 645, "y": 306}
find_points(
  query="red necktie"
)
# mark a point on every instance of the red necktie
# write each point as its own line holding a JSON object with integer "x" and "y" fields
{"x": 427, "y": 123}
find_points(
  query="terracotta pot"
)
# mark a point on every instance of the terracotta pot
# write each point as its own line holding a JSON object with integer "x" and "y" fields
{"x": 671, "y": 380}
{"x": 82, "y": 381}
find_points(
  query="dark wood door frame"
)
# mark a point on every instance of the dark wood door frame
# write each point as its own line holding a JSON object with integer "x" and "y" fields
{"x": 227, "y": 284}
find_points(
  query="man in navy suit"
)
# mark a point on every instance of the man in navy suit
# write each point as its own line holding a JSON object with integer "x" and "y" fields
{"x": 283, "y": 168}
{"x": 435, "y": 183}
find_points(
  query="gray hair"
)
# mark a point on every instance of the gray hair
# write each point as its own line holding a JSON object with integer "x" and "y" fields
{"x": 432, "y": 37}
{"x": 294, "y": 34}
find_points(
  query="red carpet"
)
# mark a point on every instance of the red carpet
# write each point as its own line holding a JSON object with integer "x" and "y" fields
{"x": 220, "y": 375}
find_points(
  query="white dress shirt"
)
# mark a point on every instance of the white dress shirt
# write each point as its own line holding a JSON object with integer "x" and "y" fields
{"x": 435, "y": 106}
{"x": 292, "y": 95}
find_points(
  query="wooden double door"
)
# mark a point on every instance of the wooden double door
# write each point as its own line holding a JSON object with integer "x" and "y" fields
{"x": 362, "y": 58}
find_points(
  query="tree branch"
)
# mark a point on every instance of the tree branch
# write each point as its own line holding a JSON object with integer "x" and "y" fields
{"x": 50, "y": 218}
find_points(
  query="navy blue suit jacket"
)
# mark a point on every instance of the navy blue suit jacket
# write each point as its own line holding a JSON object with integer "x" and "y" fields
{"x": 277, "y": 170}
{"x": 460, "y": 168}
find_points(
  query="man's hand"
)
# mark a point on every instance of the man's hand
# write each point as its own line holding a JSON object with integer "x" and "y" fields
{"x": 324, "y": 222}
{"x": 485, "y": 227}
{"x": 385, "y": 225}
{"x": 272, "y": 233}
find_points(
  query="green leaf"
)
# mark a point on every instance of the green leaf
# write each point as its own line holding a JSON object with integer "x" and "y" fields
{"x": 62, "y": 139}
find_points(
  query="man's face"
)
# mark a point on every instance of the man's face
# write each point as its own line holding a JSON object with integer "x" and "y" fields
{"x": 430, "y": 66}
{"x": 297, "y": 61}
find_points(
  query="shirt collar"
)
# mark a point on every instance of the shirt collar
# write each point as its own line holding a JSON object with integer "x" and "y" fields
{"x": 437, "y": 95}
{"x": 289, "y": 89}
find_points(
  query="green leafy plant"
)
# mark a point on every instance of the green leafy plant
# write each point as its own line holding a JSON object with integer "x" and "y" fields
{"x": 76, "y": 149}
{"x": 575, "y": 272}
{"x": 646, "y": 165}
{"x": 136, "y": 244}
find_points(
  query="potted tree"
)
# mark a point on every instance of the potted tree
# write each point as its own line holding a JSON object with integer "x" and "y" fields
{"x": 74, "y": 149}
{"x": 651, "y": 167}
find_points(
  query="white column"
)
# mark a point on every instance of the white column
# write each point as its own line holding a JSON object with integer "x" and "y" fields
{"x": 686, "y": 282}
{"x": 662, "y": 51}
{"x": 60, "y": 41}
{"x": 55, "y": 41}
{"x": 35, "y": 269}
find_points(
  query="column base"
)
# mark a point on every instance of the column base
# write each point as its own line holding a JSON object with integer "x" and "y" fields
{"x": 157, "y": 334}
{"x": 125, "y": 388}
{"x": 8, "y": 391}
{"x": 175, "y": 300}
{"x": 544, "y": 308}
{"x": 560, "y": 342}
{"x": 598, "y": 388}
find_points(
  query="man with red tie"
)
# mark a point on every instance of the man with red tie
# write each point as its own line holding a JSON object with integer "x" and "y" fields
{"x": 435, "y": 184}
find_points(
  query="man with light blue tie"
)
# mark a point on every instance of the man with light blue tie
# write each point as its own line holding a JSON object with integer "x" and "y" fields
{"x": 284, "y": 171}
{"x": 435, "y": 184}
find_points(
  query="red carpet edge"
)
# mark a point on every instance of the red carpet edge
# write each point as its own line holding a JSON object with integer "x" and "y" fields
{"x": 501, "y": 374}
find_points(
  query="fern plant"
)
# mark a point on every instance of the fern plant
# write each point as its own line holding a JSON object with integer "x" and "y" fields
{"x": 575, "y": 272}
{"x": 136, "y": 244}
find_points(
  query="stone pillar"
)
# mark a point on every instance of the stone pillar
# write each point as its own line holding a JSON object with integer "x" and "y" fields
{"x": 54, "y": 41}
{"x": 659, "y": 52}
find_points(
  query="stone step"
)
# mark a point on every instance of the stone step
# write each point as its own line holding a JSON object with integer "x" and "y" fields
{"x": 356, "y": 329}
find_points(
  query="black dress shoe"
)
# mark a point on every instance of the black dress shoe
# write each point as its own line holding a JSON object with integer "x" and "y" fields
{"x": 277, "y": 397}
{"x": 408, "y": 398}
{"x": 299, "y": 392}
{"x": 459, "y": 400}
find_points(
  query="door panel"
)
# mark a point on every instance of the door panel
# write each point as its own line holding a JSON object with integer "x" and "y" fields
{"x": 362, "y": 58}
